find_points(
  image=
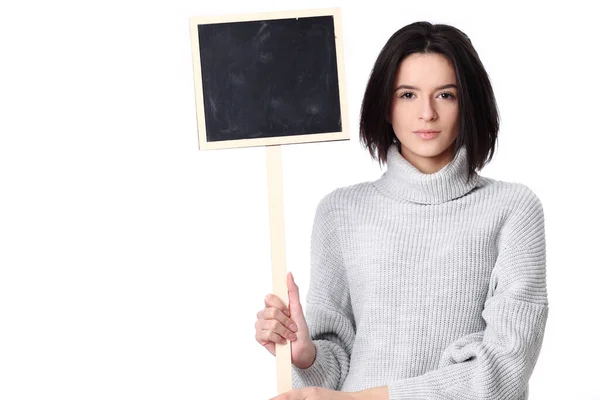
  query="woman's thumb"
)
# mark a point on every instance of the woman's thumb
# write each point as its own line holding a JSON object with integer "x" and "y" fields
{"x": 294, "y": 297}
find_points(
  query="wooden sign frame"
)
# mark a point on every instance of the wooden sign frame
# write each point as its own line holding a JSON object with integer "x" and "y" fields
{"x": 204, "y": 144}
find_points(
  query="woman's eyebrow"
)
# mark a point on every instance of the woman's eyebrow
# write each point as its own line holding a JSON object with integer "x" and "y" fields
{"x": 450, "y": 85}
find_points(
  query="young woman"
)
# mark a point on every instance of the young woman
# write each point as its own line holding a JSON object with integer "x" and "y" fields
{"x": 429, "y": 282}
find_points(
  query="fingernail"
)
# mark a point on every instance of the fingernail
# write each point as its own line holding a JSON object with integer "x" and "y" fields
{"x": 293, "y": 327}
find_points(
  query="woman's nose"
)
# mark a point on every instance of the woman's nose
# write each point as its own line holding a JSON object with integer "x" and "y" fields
{"x": 428, "y": 112}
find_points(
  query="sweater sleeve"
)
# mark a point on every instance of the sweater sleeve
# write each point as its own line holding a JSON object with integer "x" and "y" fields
{"x": 496, "y": 363}
{"x": 328, "y": 313}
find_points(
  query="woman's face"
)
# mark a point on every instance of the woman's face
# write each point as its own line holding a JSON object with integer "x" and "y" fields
{"x": 425, "y": 97}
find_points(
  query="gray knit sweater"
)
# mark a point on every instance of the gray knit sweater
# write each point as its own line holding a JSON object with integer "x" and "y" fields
{"x": 429, "y": 284}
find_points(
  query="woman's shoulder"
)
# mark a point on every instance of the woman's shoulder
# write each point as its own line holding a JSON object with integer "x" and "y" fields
{"x": 343, "y": 196}
{"x": 522, "y": 214}
{"x": 512, "y": 194}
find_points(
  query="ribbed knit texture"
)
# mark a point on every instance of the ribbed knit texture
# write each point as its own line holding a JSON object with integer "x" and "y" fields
{"x": 428, "y": 284}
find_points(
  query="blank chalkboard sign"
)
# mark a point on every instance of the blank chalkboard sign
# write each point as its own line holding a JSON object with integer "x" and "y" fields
{"x": 270, "y": 78}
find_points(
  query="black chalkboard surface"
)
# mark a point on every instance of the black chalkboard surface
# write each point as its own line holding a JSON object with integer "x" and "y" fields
{"x": 272, "y": 78}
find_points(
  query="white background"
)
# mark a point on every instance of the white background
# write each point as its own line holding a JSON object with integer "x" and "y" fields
{"x": 132, "y": 264}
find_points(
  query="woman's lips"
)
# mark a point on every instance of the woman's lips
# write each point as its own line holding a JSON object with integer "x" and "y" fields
{"x": 427, "y": 135}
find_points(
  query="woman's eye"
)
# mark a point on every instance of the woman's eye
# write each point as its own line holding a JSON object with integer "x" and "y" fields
{"x": 445, "y": 95}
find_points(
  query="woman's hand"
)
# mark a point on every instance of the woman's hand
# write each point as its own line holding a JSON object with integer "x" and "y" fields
{"x": 274, "y": 325}
{"x": 316, "y": 393}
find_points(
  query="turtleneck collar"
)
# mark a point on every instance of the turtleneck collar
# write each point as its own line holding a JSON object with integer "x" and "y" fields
{"x": 404, "y": 180}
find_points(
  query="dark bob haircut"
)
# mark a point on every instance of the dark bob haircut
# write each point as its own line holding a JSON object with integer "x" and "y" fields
{"x": 479, "y": 119}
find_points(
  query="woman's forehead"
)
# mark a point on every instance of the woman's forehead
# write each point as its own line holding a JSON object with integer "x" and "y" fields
{"x": 430, "y": 70}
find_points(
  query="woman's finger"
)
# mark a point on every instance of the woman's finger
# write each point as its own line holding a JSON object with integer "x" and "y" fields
{"x": 272, "y": 300}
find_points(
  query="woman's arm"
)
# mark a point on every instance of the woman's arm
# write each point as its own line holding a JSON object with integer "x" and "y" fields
{"x": 329, "y": 314}
{"x": 378, "y": 393}
{"x": 496, "y": 363}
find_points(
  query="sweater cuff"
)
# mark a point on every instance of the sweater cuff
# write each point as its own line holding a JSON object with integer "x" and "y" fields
{"x": 313, "y": 375}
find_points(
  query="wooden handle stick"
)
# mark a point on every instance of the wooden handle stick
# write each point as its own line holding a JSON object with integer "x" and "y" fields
{"x": 278, "y": 263}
